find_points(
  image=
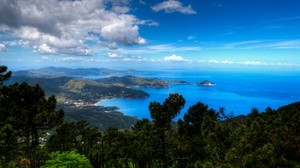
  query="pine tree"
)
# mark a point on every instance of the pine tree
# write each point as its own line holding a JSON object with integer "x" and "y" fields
{"x": 162, "y": 115}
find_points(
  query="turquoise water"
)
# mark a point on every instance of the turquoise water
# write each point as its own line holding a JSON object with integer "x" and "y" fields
{"x": 236, "y": 92}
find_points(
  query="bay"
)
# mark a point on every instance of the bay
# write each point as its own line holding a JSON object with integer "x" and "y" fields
{"x": 236, "y": 92}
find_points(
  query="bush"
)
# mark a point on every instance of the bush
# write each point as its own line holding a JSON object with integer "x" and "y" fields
{"x": 67, "y": 160}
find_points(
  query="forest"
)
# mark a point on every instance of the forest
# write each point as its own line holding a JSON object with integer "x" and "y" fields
{"x": 34, "y": 133}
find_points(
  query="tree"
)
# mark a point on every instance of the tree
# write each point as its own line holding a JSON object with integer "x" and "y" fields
{"x": 66, "y": 160}
{"x": 144, "y": 138}
{"x": 4, "y": 75}
{"x": 163, "y": 114}
{"x": 25, "y": 115}
{"x": 79, "y": 136}
{"x": 191, "y": 130}
{"x": 194, "y": 118}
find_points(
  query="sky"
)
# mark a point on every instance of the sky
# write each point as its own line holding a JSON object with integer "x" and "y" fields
{"x": 151, "y": 34}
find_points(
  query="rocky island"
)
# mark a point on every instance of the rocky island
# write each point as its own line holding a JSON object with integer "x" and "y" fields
{"x": 206, "y": 83}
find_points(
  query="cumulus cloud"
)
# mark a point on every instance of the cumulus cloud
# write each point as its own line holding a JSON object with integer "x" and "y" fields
{"x": 174, "y": 58}
{"x": 171, "y": 6}
{"x": 63, "y": 26}
{"x": 2, "y": 47}
{"x": 113, "y": 55}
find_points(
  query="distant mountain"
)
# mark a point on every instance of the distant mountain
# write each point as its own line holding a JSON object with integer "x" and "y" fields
{"x": 57, "y": 71}
{"x": 132, "y": 81}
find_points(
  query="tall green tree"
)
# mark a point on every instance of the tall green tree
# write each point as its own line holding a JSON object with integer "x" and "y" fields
{"x": 191, "y": 130}
{"x": 162, "y": 115}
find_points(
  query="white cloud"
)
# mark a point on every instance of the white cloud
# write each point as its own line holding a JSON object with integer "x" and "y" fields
{"x": 170, "y": 6}
{"x": 172, "y": 48}
{"x": 142, "y": 2}
{"x": 135, "y": 58}
{"x": 253, "y": 63}
{"x": 148, "y": 23}
{"x": 248, "y": 63}
{"x": 44, "y": 48}
{"x": 45, "y": 58}
{"x": 212, "y": 61}
{"x": 271, "y": 44}
{"x": 174, "y": 58}
{"x": 2, "y": 47}
{"x": 227, "y": 62}
{"x": 17, "y": 43}
{"x": 63, "y": 27}
{"x": 121, "y": 9}
{"x": 71, "y": 59}
{"x": 288, "y": 44}
{"x": 157, "y": 49}
{"x": 113, "y": 55}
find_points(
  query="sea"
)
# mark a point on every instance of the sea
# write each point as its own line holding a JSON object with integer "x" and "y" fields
{"x": 237, "y": 92}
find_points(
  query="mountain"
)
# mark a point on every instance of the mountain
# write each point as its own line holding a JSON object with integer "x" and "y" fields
{"x": 58, "y": 71}
{"x": 132, "y": 81}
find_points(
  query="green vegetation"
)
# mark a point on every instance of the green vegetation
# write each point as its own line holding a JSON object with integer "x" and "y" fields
{"x": 67, "y": 159}
{"x": 132, "y": 81}
{"x": 33, "y": 135}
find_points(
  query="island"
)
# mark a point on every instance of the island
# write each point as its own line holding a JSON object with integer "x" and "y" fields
{"x": 206, "y": 83}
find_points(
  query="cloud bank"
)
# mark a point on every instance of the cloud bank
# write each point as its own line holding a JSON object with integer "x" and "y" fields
{"x": 65, "y": 26}
{"x": 170, "y": 6}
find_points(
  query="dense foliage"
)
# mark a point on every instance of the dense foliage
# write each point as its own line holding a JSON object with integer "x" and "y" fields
{"x": 33, "y": 135}
{"x": 67, "y": 159}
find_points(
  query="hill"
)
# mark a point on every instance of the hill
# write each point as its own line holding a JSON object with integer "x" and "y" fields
{"x": 132, "y": 81}
{"x": 58, "y": 71}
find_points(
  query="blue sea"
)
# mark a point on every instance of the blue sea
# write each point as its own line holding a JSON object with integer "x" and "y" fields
{"x": 237, "y": 92}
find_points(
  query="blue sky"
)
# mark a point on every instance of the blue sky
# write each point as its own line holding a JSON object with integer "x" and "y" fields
{"x": 151, "y": 34}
